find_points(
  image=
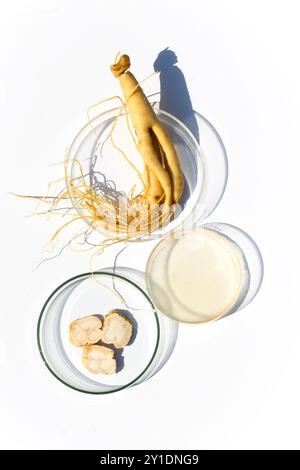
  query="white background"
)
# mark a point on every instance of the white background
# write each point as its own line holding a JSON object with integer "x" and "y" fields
{"x": 230, "y": 384}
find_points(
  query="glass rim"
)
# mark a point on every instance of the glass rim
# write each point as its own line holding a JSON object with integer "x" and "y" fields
{"x": 41, "y": 316}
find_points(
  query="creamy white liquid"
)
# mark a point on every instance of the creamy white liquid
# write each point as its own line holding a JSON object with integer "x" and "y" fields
{"x": 196, "y": 278}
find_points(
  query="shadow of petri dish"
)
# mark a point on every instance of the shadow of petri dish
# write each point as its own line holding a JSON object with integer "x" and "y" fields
{"x": 215, "y": 159}
{"x": 251, "y": 253}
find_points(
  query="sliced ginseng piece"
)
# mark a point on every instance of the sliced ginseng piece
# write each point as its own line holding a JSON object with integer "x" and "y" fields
{"x": 99, "y": 360}
{"x": 117, "y": 329}
{"x": 86, "y": 330}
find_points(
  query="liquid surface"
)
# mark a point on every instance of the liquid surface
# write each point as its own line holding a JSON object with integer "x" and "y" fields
{"x": 196, "y": 278}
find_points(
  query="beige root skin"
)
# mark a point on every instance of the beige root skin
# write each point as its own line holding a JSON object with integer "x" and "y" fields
{"x": 172, "y": 160}
{"x": 86, "y": 330}
{"x": 156, "y": 192}
{"x": 99, "y": 360}
{"x": 117, "y": 329}
{"x": 146, "y": 124}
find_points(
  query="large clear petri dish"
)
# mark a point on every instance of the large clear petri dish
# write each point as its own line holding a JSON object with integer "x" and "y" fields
{"x": 90, "y": 154}
{"x": 152, "y": 342}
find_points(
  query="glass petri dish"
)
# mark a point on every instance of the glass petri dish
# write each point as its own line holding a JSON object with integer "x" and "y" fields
{"x": 197, "y": 276}
{"x": 152, "y": 342}
{"x": 114, "y": 175}
{"x": 96, "y": 294}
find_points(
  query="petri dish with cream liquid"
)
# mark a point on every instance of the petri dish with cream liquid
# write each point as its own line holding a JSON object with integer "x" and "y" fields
{"x": 197, "y": 276}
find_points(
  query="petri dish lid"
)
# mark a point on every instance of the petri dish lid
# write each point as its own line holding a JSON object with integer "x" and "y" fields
{"x": 196, "y": 276}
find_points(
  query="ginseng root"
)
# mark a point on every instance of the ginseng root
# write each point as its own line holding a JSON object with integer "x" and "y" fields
{"x": 167, "y": 180}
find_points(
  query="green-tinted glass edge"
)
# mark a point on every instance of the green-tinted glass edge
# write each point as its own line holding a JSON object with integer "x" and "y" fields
{"x": 45, "y": 306}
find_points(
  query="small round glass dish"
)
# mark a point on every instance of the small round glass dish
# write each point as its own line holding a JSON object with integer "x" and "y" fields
{"x": 198, "y": 275}
{"x": 106, "y": 169}
{"x": 96, "y": 294}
